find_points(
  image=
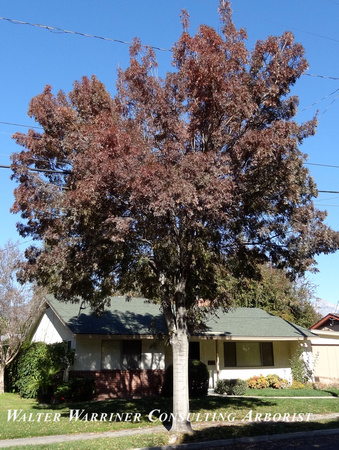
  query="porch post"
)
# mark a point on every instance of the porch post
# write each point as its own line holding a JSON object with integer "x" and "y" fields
{"x": 217, "y": 359}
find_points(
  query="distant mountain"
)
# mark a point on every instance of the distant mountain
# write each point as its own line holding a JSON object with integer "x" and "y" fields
{"x": 324, "y": 307}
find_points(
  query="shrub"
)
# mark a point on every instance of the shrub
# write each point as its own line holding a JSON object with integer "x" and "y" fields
{"x": 40, "y": 368}
{"x": 319, "y": 386}
{"x": 275, "y": 382}
{"x": 44, "y": 384}
{"x": 297, "y": 385}
{"x": 272, "y": 381}
{"x": 301, "y": 371}
{"x": 31, "y": 358}
{"x": 198, "y": 377}
{"x": 231, "y": 387}
{"x": 77, "y": 389}
{"x": 258, "y": 382}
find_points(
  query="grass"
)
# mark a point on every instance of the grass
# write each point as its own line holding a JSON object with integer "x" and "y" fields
{"x": 270, "y": 392}
{"x": 225, "y": 410}
{"x": 123, "y": 443}
{"x": 29, "y": 424}
{"x": 208, "y": 434}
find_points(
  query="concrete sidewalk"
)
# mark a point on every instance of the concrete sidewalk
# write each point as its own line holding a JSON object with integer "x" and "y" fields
{"x": 45, "y": 440}
{"x": 39, "y": 440}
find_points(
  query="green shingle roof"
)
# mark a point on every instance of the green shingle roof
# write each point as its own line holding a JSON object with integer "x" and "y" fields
{"x": 139, "y": 317}
{"x": 121, "y": 318}
{"x": 253, "y": 322}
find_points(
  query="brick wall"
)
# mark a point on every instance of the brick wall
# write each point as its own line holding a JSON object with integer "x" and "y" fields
{"x": 123, "y": 383}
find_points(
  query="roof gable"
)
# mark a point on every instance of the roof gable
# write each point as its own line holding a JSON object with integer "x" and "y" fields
{"x": 329, "y": 320}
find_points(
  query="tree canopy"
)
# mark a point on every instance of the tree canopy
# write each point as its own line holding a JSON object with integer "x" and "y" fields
{"x": 173, "y": 183}
{"x": 20, "y": 305}
{"x": 274, "y": 292}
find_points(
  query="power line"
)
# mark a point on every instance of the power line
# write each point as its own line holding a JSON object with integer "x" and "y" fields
{"x": 321, "y": 76}
{"x": 120, "y": 41}
{"x": 289, "y": 27}
{"x": 321, "y": 165}
{"x": 65, "y": 172}
{"x": 15, "y": 245}
{"x": 20, "y": 125}
{"x": 60, "y": 30}
{"x": 322, "y": 99}
{"x": 329, "y": 106}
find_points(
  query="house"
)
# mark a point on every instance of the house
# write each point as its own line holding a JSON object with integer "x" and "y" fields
{"x": 126, "y": 349}
{"x": 326, "y": 349}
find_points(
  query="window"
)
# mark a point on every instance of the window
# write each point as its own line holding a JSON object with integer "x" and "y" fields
{"x": 110, "y": 354}
{"x": 248, "y": 354}
{"x": 230, "y": 354}
{"x": 131, "y": 354}
{"x": 194, "y": 350}
{"x": 267, "y": 354}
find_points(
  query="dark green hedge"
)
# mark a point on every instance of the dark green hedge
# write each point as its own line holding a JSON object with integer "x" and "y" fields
{"x": 34, "y": 361}
{"x": 231, "y": 387}
{"x": 198, "y": 377}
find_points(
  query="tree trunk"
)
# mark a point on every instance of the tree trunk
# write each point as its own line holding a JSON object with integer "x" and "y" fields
{"x": 181, "y": 411}
{"x": 181, "y": 423}
{"x": 2, "y": 379}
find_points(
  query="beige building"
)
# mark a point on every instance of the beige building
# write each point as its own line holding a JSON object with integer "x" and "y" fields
{"x": 325, "y": 349}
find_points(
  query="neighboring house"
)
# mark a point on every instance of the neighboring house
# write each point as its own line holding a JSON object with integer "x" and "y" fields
{"x": 326, "y": 349}
{"x": 126, "y": 349}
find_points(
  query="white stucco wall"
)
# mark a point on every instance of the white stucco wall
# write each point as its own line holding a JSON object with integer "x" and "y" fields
{"x": 87, "y": 353}
{"x": 50, "y": 330}
{"x": 282, "y": 351}
{"x": 96, "y": 353}
{"x": 153, "y": 355}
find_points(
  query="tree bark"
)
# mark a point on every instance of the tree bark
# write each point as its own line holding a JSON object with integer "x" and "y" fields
{"x": 179, "y": 341}
{"x": 2, "y": 379}
{"x": 181, "y": 423}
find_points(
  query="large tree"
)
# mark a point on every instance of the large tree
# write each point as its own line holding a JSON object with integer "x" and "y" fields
{"x": 20, "y": 305}
{"x": 174, "y": 183}
{"x": 276, "y": 293}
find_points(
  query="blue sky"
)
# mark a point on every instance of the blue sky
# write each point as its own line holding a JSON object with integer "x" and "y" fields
{"x": 34, "y": 56}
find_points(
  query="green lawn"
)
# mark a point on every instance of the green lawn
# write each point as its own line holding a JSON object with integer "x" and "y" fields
{"x": 123, "y": 443}
{"x": 212, "y": 417}
{"x": 33, "y": 420}
{"x": 270, "y": 392}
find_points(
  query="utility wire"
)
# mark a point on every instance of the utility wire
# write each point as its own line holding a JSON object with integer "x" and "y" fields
{"x": 20, "y": 125}
{"x": 318, "y": 101}
{"x": 15, "y": 245}
{"x": 304, "y": 109}
{"x": 119, "y": 41}
{"x": 321, "y": 165}
{"x": 60, "y": 30}
{"x": 289, "y": 27}
{"x": 321, "y": 76}
{"x": 65, "y": 172}
{"x": 329, "y": 106}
